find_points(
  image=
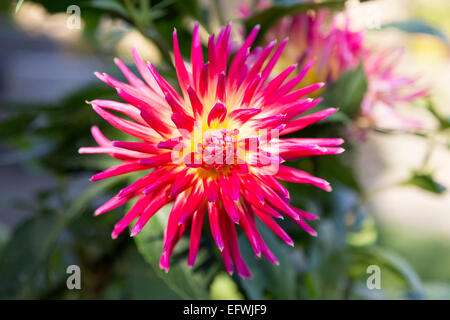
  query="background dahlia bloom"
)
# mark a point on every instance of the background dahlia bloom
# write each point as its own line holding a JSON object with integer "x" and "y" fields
{"x": 337, "y": 49}
{"x": 214, "y": 148}
{"x": 317, "y": 36}
{"x": 385, "y": 90}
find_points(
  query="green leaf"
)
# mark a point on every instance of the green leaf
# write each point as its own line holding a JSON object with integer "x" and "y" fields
{"x": 339, "y": 168}
{"x": 110, "y": 5}
{"x": 347, "y": 92}
{"x": 444, "y": 122}
{"x": 417, "y": 26}
{"x": 47, "y": 137}
{"x": 26, "y": 254}
{"x": 186, "y": 282}
{"x": 224, "y": 288}
{"x": 4, "y": 235}
{"x": 135, "y": 280}
{"x": 365, "y": 236}
{"x": 278, "y": 280}
{"x": 392, "y": 262}
{"x": 426, "y": 182}
{"x": 271, "y": 15}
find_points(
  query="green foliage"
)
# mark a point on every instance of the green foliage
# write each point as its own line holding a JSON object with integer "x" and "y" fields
{"x": 133, "y": 279}
{"x": 421, "y": 250}
{"x": 426, "y": 182}
{"x": 347, "y": 92}
{"x": 111, "y": 6}
{"x": 417, "y": 26}
{"x": 188, "y": 283}
{"x": 49, "y": 135}
{"x": 444, "y": 122}
{"x": 269, "y": 280}
{"x": 389, "y": 262}
{"x": 31, "y": 245}
{"x": 224, "y": 288}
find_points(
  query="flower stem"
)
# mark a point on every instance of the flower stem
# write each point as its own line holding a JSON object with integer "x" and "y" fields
{"x": 146, "y": 27}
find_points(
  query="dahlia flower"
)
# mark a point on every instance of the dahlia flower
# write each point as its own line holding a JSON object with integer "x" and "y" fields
{"x": 337, "y": 49}
{"x": 317, "y": 36}
{"x": 214, "y": 148}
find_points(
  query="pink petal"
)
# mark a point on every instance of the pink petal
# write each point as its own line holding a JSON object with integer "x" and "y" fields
{"x": 197, "y": 105}
{"x": 274, "y": 227}
{"x": 156, "y": 203}
{"x": 196, "y": 231}
{"x": 196, "y": 56}
{"x": 217, "y": 113}
{"x": 213, "y": 213}
{"x": 229, "y": 206}
{"x": 134, "y": 212}
{"x": 143, "y": 147}
{"x": 211, "y": 189}
{"x": 298, "y": 176}
{"x": 155, "y": 161}
{"x": 182, "y": 74}
{"x": 307, "y": 120}
{"x": 183, "y": 122}
{"x": 119, "y": 170}
{"x": 230, "y": 185}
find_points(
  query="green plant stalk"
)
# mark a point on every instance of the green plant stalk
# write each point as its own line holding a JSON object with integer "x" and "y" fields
{"x": 147, "y": 28}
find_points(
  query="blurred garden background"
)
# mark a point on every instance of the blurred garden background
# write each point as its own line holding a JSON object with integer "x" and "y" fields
{"x": 389, "y": 207}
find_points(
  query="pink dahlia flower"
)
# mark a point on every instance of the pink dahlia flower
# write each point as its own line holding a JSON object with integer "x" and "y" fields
{"x": 385, "y": 90}
{"x": 317, "y": 36}
{"x": 213, "y": 149}
{"x": 337, "y": 49}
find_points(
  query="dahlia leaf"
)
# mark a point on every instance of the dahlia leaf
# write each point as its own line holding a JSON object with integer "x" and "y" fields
{"x": 189, "y": 283}
{"x": 444, "y": 122}
{"x": 280, "y": 280}
{"x": 224, "y": 288}
{"x": 110, "y": 5}
{"x": 417, "y": 26}
{"x": 426, "y": 182}
{"x": 347, "y": 92}
{"x": 26, "y": 254}
{"x": 392, "y": 263}
{"x": 336, "y": 168}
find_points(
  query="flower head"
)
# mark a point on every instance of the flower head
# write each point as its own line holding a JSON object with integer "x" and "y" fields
{"x": 336, "y": 48}
{"x": 214, "y": 149}
{"x": 385, "y": 90}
